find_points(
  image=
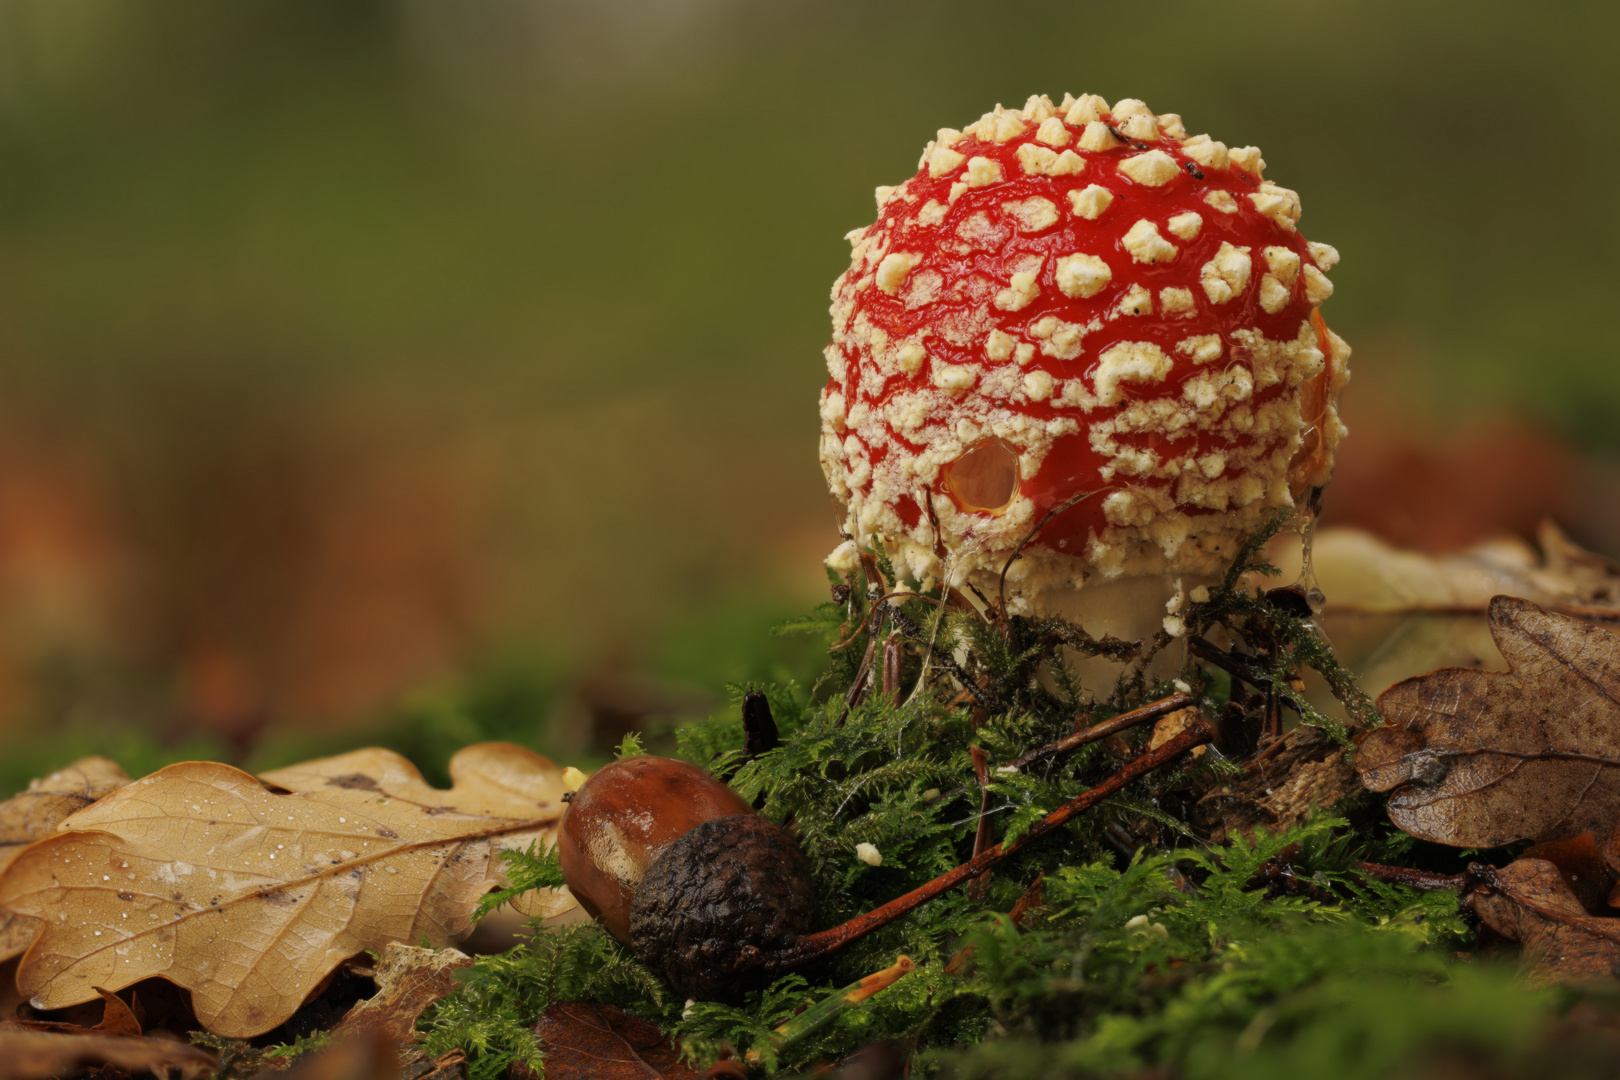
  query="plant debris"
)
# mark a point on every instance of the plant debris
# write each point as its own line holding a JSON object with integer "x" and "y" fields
{"x": 1529, "y": 901}
{"x": 409, "y": 980}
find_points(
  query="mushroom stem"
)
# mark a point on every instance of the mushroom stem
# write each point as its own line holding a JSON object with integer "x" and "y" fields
{"x": 1153, "y": 710}
{"x": 815, "y": 946}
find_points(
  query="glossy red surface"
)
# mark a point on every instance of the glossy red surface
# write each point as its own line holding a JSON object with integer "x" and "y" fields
{"x": 972, "y": 278}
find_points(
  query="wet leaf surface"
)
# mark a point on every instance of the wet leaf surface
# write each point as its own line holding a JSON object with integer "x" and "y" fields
{"x": 34, "y": 814}
{"x": 586, "y": 1040}
{"x": 249, "y": 898}
{"x": 1530, "y": 902}
{"x": 1481, "y": 759}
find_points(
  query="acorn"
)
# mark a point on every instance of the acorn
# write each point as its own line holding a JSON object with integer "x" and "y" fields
{"x": 623, "y": 819}
{"x": 677, "y": 866}
{"x": 720, "y": 903}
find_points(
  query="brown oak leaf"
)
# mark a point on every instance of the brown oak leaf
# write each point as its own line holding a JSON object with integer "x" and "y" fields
{"x": 1480, "y": 759}
{"x": 200, "y": 875}
{"x": 1585, "y": 866}
{"x": 1395, "y": 613}
{"x": 116, "y": 1019}
{"x": 29, "y": 1055}
{"x": 34, "y": 814}
{"x": 586, "y": 1040}
{"x": 1529, "y": 901}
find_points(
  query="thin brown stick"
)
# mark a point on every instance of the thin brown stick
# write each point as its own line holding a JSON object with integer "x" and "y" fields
{"x": 894, "y": 658}
{"x": 1153, "y": 710}
{"x": 1030, "y": 899}
{"x": 1427, "y": 880}
{"x": 863, "y": 674}
{"x": 981, "y": 836}
{"x": 1235, "y": 667}
{"x": 815, "y": 946}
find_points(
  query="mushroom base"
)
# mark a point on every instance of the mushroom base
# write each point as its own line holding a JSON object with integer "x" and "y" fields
{"x": 1132, "y": 608}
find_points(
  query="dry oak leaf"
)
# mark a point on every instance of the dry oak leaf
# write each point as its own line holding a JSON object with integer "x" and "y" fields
{"x": 30, "y": 1055}
{"x": 1360, "y": 572}
{"x": 34, "y": 814}
{"x": 499, "y": 779}
{"x": 1585, "y": 865}
{"x": 1530, "y": 902}
{"x": 1484, "y": 758}
{"x": 116, "y": 1019}
{"x": 248, "y": 898}
{"x": 586, "y": 1040}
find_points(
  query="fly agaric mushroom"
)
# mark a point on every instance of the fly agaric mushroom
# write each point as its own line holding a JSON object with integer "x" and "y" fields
{"x": 1067, "y": 299}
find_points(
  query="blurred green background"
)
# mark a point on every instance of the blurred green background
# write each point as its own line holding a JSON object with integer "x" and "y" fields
{"x": 449, "y": 369}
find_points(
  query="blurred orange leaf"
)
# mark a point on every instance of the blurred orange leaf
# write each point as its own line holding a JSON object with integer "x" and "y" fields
{"x": 28, "y": 1055}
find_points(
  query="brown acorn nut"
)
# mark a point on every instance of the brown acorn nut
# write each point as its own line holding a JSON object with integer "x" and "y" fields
{"x": 718, "y": 903}
{"x": 622, "y": 820}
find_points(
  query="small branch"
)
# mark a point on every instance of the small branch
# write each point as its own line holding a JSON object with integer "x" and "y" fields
{"x": 1030, "y": 899}
{"x": 981, "y": 836}
{"x": 863, "y": 674}
{"x": 815, "y": 946}
{"x": 1238, "y": 668}
{"x": 1153, "y": 710}
{"x": 894, "y": 659}
{"x": 1426, "y": 880}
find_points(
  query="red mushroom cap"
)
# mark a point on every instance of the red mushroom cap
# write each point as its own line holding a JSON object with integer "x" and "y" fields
{"x": 1072, "y": 298}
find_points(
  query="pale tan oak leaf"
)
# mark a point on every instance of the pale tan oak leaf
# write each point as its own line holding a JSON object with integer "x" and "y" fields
{"x": 497, "y": 778}
{"x": 34, "y": 814}
{"x": 248, "y": 897}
